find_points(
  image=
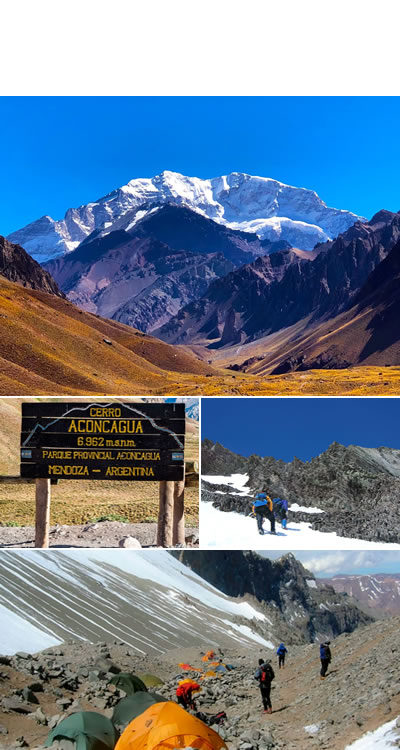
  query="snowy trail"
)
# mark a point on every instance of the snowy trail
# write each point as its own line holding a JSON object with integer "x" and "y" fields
{"x": 220, "y": 530}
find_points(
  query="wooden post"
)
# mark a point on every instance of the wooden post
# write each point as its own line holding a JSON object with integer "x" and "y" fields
{"x": 165, "y": 514}
{"x": 42, "y": 522}
{"x": 178, "y": 535}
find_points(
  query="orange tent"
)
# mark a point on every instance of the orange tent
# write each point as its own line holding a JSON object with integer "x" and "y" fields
{"x": 166, "y": 726}
{"x": 182, "y": 665}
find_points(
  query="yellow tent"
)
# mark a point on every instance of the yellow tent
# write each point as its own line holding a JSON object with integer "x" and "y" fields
{"x": 167, "y": 726}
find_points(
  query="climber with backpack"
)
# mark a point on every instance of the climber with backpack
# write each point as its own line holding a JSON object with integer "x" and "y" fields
{"x": 184, "y": 694}
{"x": 264, "y": 674}
{"x": 281, "y": 507}
{"x": 262, "y": 508}
{"x": 325, "y": 657}
{"x": 281, "y": 653}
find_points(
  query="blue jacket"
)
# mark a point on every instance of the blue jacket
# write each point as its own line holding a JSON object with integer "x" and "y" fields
{"x": 322, "y": 652}
{"x": 282, "y": 503}
{"x": 281, "y": 649}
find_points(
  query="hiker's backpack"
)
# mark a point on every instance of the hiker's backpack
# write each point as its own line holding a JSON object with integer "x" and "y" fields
{"x": 267, "y": 674}
{"x": 259, "y": 502}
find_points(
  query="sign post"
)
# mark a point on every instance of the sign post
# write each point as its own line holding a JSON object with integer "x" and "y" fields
{"x": 114, "y": 441}
{"x": 178, "y": 532}
{"x": 42, "y": 521}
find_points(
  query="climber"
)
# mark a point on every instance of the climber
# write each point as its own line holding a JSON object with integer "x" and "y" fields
{"x": 265, "y": 674}
{"x": 281, "y": 653}
{"x": 184, "y": 693}
{"x": 263, "y": 507}
{"x": 325, "y": 657}
{"x": 281, "y": 508}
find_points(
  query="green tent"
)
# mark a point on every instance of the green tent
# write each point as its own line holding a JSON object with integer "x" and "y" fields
{"x": 88, "y": 729}
{"x": 132, "y": 706}
{"x": 150, "y": 680}
{"x": 129, "y": 683}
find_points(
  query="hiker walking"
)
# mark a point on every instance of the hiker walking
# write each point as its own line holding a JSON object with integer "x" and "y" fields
{"x": 325, "y": 657}
{"x": 281, "y": 652}
{"x": 264, "y": 674}
{"x": 281, "y": 507}
{"x": 263, "y": 507}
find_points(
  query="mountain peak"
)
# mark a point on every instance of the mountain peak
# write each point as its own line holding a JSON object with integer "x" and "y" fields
{"x": 260, "y": 205}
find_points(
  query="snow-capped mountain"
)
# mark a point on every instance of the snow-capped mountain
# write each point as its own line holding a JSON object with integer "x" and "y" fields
{"x": 380, "y": 592}
{"x": 261, "y": 205}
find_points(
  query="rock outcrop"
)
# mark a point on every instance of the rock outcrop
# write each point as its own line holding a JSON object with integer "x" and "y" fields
{"x": 16, "y": 265}
{"x": 358, "y": 488}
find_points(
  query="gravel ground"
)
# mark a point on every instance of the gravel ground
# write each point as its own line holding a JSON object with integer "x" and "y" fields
{"x": 101, "y": 534}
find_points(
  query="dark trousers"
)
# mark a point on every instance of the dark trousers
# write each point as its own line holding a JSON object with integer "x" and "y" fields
{"x": 265, "y": 689}
{"x": 324, "y": 667}
{"x": 260, "y": 519}
{"x": 186, "y": 702}
{"x": 281, "y": 660}
{"x": 271, "y": 519}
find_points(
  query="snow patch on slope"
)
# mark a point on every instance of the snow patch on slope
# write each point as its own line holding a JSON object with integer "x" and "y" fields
{"x": 382, "y": 738}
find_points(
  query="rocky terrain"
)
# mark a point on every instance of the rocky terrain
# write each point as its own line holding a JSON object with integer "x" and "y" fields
{"x": 301, "y": 609}
{"x": 357, "y": 488}
{"x": 378, "y": 594}
{"x": 100, "y": 534}
{"x": 141, "y": 273}
{"x": 360, "y": 693}
{"x": 274, "y": 293}
{"x": 265, "y": 207}
{"x": 17, "y": 265}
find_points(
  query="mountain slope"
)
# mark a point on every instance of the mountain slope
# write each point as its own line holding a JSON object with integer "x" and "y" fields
{"x": 357, "y": 488}
{"x": 378, "y": 593}
{"x": 17, "y": 265}
{"x": 287, "y": 590}
{"x": 141, "y": 273}
{"x": 256, "y": 300}
{"x": 261, "y": 205}
{"x": 151, "y": 602}
{"x": 367, "y": 334}
{"x": 50, "y": 346}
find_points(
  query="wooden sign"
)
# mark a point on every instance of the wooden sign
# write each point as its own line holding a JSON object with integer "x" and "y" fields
{"x": 124, "y": 441}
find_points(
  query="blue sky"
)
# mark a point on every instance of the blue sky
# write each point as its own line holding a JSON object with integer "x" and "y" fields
{"x": 325, "y": 564}
{"x": 61, "y": 152}
{"x": 302, "y": 427}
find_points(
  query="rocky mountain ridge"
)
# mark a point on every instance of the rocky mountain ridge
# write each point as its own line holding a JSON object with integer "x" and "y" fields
{"x": 379, "y": 593}
{"x": 278, "y": 291}
{"x": 300, "y": 609}
{"x": 16, "y": 265}
{"x": 357, "y": 488}
{"x": 266, "y": 207}
{"x": 141, "y": 273}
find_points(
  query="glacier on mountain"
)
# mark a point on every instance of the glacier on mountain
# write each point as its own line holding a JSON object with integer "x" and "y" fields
{"x": 261, "y": 205}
